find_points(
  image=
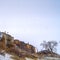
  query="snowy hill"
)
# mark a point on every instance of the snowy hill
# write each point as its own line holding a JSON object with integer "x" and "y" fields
{"x": 14, "y": 49}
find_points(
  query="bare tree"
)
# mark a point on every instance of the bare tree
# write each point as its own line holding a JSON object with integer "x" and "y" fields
{"x": 50, "y": 45}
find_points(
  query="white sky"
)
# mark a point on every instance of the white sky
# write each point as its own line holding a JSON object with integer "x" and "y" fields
{"x": 31, "y": 20}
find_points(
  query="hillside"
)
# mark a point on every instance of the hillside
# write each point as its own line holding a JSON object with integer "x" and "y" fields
{"x": 14, "y": 49}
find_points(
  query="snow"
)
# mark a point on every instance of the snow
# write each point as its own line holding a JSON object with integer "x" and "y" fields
{"x": 6, "y": 57}
{"x": 2, "y": 57}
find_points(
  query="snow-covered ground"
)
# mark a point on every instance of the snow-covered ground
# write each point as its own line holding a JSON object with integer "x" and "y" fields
{"x": 2, "y": 57}
{"x": 51, "y": 58}
{"x": 6, "y": 57}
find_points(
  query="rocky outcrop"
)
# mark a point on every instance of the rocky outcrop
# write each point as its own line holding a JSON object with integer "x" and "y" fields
{"x": 15, "y": 46}
{"x": 25, "y": 46}
{"x": 21, "y": 50}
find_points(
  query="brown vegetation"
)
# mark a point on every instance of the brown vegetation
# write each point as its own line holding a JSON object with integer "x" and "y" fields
{"x": 15, "y": 46}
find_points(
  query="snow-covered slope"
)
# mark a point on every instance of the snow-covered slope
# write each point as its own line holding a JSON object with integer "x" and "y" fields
{"x": 2, "y": 57}
{"x": 6, "y": 57}
{"x": 9, "y": 57}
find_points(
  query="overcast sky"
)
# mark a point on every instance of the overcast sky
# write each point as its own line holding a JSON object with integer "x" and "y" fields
{"x": 31, "y": 20}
